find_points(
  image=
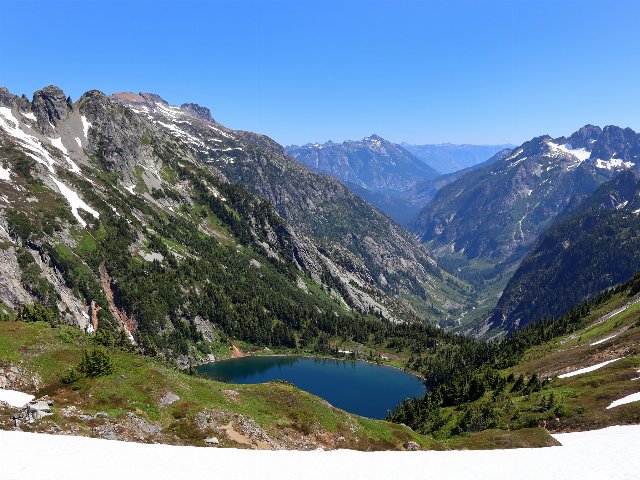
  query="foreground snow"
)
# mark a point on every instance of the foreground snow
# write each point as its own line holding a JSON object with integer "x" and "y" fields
{"x": 15, "y": 398}
{"x": 610, "y": 453}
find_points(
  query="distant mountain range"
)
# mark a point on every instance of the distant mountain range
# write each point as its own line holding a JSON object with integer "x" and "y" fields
{"x": 372, "y": 163}
{"x": 388, "y": 175}
{"x": 449, "y": 157}
{"x": 422, "y": 192}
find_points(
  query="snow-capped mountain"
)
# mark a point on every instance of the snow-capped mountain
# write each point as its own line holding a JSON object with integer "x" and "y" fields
{"x": 495, "y": 210}
{"x": 482, "y": 224}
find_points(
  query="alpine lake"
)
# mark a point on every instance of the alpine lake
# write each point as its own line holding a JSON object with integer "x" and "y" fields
{"x": 359, "y": 387}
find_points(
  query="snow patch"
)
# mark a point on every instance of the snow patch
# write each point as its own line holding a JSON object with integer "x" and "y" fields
{"x": 181, "y": 133}
{"x": 35, "y": 149}
{"x": 515, "y": 155}
{"x": 634, "y": 397}
{"x": 588, "y": 369}
{"x": 581, "y": 154}
{"x": 221, "y": 132}
{"x": 85, "y": 126}
{"x": 75, "y": 201}
{"x": 168, "y": 111}
{"x": 518, "y": 161}
{"x": 603, "y": 340}
{"x": 613, "y": 163}
{"x": 15, "y": 398}
{"x": 78, "y": 142}
{"x": 5, "y": 174}
{"x": 57, "y": 142}
{"x": 30, "y": 116}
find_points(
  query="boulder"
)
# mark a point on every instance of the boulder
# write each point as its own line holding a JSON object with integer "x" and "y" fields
{"x": 168, "y": 399}
{"x": 411, "y": 445}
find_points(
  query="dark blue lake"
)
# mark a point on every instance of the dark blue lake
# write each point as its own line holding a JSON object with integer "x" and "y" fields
{"x": 355, "y": 386}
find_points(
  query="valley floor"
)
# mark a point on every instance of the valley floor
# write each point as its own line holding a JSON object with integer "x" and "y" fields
{"x": 608, "y": 453}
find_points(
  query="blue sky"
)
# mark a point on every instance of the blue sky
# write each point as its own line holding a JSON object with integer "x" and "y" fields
{"x": 305, "y": 71}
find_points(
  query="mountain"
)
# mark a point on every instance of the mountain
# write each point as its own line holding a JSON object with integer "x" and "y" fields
{"x": 591, "y": 246}
{"x": 482, "y": 224}
{"x": 134, "y": 217}
{"x": 395, "y": 207}
{"x": 372, "y": 163}
{"x": 373, "y": 250}
{"x": 449, "y": 158}
{"x": 423, "y": 191}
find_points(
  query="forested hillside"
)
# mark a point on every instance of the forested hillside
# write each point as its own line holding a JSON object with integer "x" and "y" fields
{"x": 591, "y": 246}
{"x": 553, "y": 374}
{"x": 122, "y": 223}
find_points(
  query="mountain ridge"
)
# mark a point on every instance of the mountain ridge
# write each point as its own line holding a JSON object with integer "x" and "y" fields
{"x": 482, "y": 224}
{"x": 372, "y": 163}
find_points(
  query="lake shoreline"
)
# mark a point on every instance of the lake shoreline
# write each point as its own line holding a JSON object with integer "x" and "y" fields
{"x": 361, "y": 387}
{"x": 310, "y": 355}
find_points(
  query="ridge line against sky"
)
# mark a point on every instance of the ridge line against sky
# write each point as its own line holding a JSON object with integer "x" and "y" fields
{"x": 461, "y": 71}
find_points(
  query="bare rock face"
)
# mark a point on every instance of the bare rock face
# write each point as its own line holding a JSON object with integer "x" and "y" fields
{"x": 50, "y": 106}
{"x": 197, "y": 111}
{"x": 7, "y": 99}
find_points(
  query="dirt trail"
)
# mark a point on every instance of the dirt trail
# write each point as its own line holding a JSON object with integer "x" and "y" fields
{"x": 237, "y": 353}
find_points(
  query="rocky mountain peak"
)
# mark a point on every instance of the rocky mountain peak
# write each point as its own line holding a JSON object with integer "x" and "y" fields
{"x": 153, "y": 98}
{"x": 50, "y": 105}
{"x": 7, "y": 99}
{"x": 584, "y": 136}
{"x": 197, "y": 111}
{"x": 129, "y": 97}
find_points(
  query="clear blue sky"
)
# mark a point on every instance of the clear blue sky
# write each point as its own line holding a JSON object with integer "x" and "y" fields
{"x": 418, "y": 71}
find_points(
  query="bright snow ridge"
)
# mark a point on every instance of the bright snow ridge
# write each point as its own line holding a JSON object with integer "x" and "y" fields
{"x": 15, "y": 398}
{"x": 75, "y": 201}
{"x": 634, "y": 397}
{"x": 610, "y": 453}
{"x": 587, "y": 369}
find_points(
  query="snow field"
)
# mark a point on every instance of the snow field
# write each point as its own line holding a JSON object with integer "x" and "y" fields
{"x": 610, "y": 453}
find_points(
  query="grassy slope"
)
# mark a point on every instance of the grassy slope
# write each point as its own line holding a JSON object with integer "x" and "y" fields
{"x": 581, "y": 401}
{"x": 289, "y": 416}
